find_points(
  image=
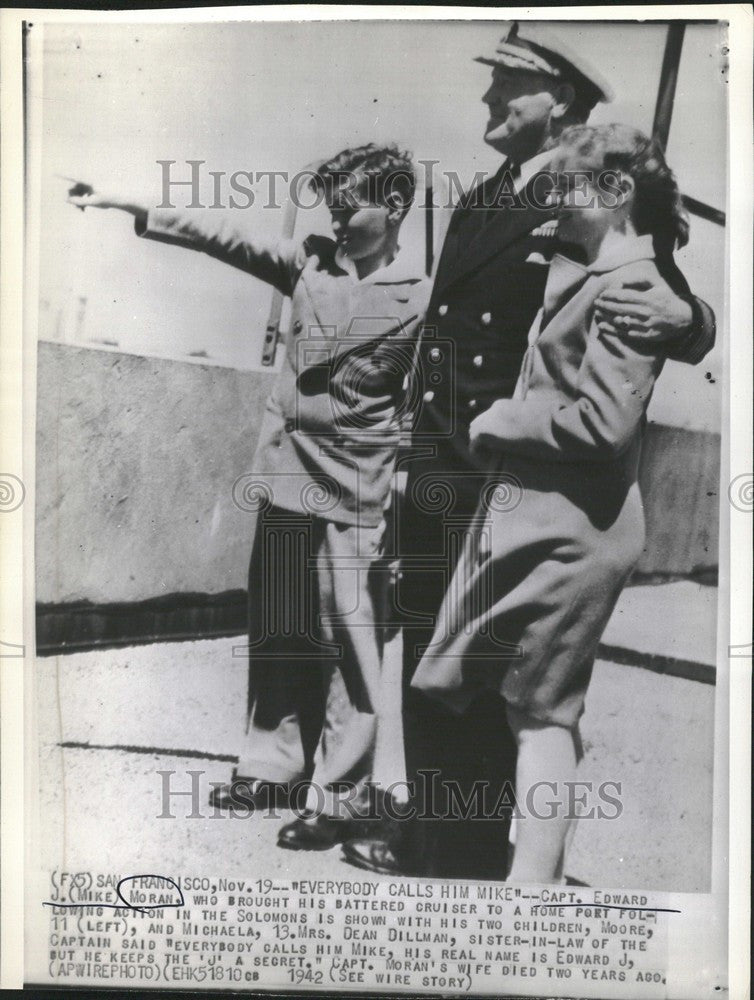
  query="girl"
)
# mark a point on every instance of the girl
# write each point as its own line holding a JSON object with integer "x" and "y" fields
{"x": 561, "y": 527}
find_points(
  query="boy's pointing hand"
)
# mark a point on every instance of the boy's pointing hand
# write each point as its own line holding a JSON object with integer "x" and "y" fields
{"x": 84, "y": 196}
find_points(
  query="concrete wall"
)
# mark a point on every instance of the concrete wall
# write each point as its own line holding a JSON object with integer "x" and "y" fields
{"x": 136, "y": 460}
{"x": 680, "y": 484}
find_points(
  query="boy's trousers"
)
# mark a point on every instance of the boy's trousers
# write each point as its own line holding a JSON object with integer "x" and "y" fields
{"x": 317, "y": 603}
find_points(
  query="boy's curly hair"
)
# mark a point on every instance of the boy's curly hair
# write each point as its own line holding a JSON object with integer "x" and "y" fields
{"x": 658, "y": 208}
{"x": 371, "y": 174}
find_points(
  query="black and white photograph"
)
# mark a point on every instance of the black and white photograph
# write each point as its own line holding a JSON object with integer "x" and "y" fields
{"x": 386, "y": 495}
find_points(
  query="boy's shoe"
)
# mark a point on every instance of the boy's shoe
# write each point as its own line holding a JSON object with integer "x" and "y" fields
{"x": 373, "y": 854}
{"x": 318, "y": 833}
{"x": 250, "y": 793}
{"x": 389, "y": 847}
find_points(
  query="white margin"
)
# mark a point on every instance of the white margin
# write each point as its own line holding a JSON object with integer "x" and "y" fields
{"x": 16, "y": 541}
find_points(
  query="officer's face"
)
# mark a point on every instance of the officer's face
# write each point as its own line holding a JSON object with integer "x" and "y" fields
{"x": 520, "y": 106}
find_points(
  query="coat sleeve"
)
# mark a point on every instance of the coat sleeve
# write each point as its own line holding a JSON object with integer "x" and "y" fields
{"x": 696, "y": 342}
{"x": 613, "y": 390}
{"x": 277, "y": 262}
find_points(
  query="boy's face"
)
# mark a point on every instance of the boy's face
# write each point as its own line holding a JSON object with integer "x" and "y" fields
{"x": 360, "y": 231}
{"x": 362, "y": 227}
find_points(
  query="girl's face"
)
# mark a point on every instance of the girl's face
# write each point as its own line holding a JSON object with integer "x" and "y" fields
{"x": 590, "y": 200}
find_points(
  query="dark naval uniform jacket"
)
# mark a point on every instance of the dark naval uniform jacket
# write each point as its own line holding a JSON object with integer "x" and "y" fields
{"x": 489, "y": 285}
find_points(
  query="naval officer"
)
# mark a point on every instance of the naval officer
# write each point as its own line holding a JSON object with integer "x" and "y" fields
{"x": 488, "y": 287}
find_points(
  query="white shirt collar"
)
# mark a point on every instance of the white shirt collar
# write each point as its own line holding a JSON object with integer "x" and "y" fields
{"x": 398, "y": 271}
{"x": 531, "y": 167}
{"x": 626, "y": 252}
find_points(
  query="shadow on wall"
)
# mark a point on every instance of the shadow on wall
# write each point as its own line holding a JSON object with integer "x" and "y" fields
{"x": 136, "y": 461}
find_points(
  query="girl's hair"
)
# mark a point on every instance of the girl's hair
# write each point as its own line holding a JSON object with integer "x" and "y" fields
{"x": 658, "y": 208}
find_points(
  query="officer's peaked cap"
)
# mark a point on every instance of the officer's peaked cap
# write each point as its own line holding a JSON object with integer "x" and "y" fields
{"x": 533, "y": 49}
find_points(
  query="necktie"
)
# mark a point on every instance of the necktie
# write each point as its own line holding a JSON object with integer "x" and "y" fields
{"x": 508, "y": 176}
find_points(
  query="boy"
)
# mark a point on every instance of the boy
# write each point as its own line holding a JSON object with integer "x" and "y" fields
{"x": 322, "y": 475}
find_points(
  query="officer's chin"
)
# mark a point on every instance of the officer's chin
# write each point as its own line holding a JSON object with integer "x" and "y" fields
{"x": 497, "y": 135}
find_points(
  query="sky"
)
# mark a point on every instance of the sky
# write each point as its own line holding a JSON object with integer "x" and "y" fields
{"x": 109, "y": 101}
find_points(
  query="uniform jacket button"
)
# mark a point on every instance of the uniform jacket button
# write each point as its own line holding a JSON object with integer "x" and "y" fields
{"x": 298, "y": 326}
{"x": 473, "y": 404}
{"x": 443, "y": 310}
{"x": 486, "y": 319}
{"x": 435, "y": 355}
{"x": 478, "y": 361}
{"x": 290, "y": 426}
{"x": 429, "y": 396}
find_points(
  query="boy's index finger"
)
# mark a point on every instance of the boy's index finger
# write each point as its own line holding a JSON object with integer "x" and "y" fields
{"x": 76, "y": 181}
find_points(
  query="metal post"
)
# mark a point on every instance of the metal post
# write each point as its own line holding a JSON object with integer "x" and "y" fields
{"x": 429, "y": 228}
{"x": 668, "y": 79}
{"x": 671, "y": 61}
{"x": 272, "y": 330}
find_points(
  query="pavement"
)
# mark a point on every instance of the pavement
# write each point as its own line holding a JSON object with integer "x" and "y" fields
{"x": 120, "y": 728}
{"x": 670, "y": 628}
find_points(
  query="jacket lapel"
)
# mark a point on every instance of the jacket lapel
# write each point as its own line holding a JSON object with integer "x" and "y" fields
{"x": 567, "y": 277}
{"x": 506, "y": 226}
{"x": 379, "y": 310}
{"x": 564, "y": 279}
{"x": 451, "y": 244}
{"x": 356, "y": 312}
{"x": 328, "y": 300}
{"x": 466, "y": 224}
